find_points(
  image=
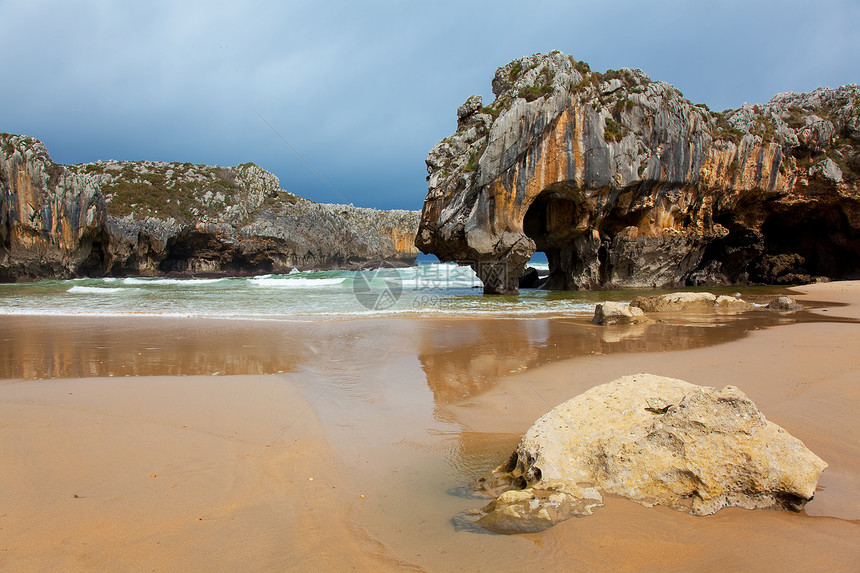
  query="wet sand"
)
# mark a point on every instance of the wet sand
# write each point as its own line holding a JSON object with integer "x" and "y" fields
{"x": 122, "y": 451}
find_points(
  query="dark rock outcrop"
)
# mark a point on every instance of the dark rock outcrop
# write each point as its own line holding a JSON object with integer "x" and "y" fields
{"x": 530, "y": 278}
{"x": 624, "y": 183}
{"x": 148, "y": 218}
{"x": 784, "y": 304}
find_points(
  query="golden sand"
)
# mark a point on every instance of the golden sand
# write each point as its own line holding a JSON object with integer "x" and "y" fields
{"x": 350, "y": 445}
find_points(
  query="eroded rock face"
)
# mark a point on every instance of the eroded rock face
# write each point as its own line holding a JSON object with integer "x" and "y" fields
{"x": 148, "y": 218}
{"x": 656, "y": 441}
{"x": 624, "y": 183}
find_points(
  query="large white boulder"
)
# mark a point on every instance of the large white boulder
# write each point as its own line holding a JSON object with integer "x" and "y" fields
{"x": 653, "y": 440}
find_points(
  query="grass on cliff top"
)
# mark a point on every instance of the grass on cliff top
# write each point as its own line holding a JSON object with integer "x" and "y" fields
{"x": 591, "y": 78}
{"x": 9, "y": 147}
{"x": 153, "y": 194}
{"x": 282, "y": 198}
{"x": 493, "y": 110}
{"x": 796, "y": 117}
{"x": 541, "y": 87}
{"x": 726, "y": 131}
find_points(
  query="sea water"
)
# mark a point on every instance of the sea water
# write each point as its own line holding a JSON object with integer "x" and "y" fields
{"x": 426, "y": 289}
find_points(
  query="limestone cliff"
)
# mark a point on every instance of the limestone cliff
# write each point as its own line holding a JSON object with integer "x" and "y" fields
{"x": 624, "y": 183}
{"x": 147, "y": 218}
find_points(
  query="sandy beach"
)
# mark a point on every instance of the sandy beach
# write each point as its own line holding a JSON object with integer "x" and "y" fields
{"x": 149, "y": 444}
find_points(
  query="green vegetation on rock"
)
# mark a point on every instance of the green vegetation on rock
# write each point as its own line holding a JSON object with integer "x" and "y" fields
{"x": 725, "y": 130}
{"x": 472, "y": 165}
{"x": 492, "y": 110}
{"x": 613, "y": 130}
{"x": 180, "y": 191}
{"x": 8, "y": 148}
{"x": 583, "y": 68}
{"x": 541, "y": 87}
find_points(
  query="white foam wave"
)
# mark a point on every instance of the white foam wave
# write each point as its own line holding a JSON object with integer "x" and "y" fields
{"x": 426, "y": 283}
{"x": 294, "y": 282}
{"x": 79, "y": 289}
{"x": 439, "y": 276}
{"x": 147, "y": 281}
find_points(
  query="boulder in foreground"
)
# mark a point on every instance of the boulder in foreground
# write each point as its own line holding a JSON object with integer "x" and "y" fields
{"x": 653, "y": 440}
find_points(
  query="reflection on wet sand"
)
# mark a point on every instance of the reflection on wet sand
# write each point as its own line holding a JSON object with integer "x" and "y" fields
{"x": 43, "y": 347}
{"x": 461, "y": 358}
{"x": 464, "y": 359}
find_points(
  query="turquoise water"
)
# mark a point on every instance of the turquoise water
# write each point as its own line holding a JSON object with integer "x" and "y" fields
{"x": 428, "y": 289}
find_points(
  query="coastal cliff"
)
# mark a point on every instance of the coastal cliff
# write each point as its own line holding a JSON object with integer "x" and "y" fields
{"x": 120, "y": 218}
{"x": 622, "y": 182}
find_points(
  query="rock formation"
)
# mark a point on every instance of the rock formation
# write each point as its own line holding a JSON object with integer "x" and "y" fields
{"x": 690, "y": 301}
{"x": 607, "y": 313}
{"x": 624, "y": 183}
{"x": 784, "y": 304}
{"x": 656, "y": 441}
{"x": 147, "y": 218}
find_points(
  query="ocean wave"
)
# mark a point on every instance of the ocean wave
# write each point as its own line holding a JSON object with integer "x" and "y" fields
{"x": 439, "y": 276}
{"x": 288, "y": 283}
{"x": 426, "y": 283}
{"x": 80, "y": 289}
{"x": 148, "y": 281}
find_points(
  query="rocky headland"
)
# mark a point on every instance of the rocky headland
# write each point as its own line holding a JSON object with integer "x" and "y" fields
{"x": 120, "y": 218}
{"x": 623, "y": 182}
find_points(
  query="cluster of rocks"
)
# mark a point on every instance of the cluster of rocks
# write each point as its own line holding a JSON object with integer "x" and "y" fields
{"x": 607, "y": 313}
{"x": 624, "y": 183}
{"x": 148, "y": 218}
{"x": 655, "y": 441}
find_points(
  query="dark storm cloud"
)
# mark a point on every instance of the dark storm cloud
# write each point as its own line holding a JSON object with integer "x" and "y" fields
{"x": 363, "y": 89}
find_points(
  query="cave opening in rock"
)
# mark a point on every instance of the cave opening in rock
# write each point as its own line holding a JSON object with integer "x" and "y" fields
{"x": 809, "y": 242}
{"x": 199, "y": 252}
{"x": 551, "y": 222}
{"x": 96, "y": 262}
{"x": 792, "y": 245}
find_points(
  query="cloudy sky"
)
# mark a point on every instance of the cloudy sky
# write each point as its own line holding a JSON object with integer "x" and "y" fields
{"x": 343, "y": 99}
